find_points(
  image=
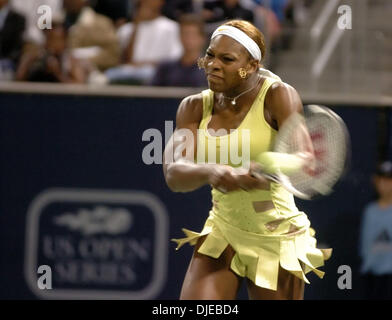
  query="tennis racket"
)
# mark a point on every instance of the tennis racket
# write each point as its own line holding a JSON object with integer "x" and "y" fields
{"x": 287, "y": 165}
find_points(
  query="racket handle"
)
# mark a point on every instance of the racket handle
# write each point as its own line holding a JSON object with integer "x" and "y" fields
{"x": 260, "y": 175}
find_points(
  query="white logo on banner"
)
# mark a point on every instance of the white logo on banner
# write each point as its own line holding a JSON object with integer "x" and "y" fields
{"x": 95, "y": 244}
{"x": 101, "y": 219}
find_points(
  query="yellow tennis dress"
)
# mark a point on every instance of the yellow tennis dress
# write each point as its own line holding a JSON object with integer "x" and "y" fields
{"x": 264, "y": 227}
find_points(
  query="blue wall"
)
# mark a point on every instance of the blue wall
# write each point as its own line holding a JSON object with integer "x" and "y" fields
{"x": 56, "y": 147}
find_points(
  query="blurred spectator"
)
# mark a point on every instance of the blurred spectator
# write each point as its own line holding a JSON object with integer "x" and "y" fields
{"x": 221, "y": 10}
{"x": 117, "y": 10}
{"x": 92, "y": 36}
{"x": 184, "y": 72}
{"x": 277, "y": 6}
{"x": 174, "y": 9}
{"x": 270, "y": 16}
{"x": 12, "y": 26}
{"x": 266, "y": 20}
{"x": 33, "y": 35}
{"x": 53, "y": 63}
{"x": 281, "y": 18}
{"x": 148, "y": 40}
{"x": 376, "y": 237}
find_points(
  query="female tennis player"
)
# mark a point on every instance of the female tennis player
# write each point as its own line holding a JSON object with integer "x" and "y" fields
{"x": 254, "y": 230}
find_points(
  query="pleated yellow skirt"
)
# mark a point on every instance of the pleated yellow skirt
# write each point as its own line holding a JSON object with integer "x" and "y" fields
{"x": 257, "y": 255}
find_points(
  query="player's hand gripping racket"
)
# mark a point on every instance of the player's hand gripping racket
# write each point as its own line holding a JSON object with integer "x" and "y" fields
{"x": 288, "y": 165}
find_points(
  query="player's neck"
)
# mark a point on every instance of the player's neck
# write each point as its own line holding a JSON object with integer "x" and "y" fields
{"x": 242, "y": 96}
{"x": 247, "y": 85}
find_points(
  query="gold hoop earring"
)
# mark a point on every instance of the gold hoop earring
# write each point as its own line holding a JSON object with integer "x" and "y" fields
{"x": 242, "y": 72}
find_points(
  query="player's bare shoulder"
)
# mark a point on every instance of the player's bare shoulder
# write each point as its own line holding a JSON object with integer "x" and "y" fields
{"x": 282, "y": 90}
{"x": 282, "y": 95}
{"x": 190, "y": 110}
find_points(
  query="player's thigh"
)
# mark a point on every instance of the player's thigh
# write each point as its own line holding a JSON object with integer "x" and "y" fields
{"x": 209, "y": 278}
{"x": 289, "y": 287}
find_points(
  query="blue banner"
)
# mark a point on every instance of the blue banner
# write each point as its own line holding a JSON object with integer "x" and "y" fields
{"x": 77, "y": 197}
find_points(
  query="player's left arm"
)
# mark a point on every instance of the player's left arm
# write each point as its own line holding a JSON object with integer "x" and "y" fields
{"x": 282, "y": 101}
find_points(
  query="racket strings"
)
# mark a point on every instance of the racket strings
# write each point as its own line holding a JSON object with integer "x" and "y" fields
{"x": 328, "y": 136}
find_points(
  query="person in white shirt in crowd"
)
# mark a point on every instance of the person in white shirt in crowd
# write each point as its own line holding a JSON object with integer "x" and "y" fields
{"x": 185, "y": 72}
{"x": 148, "y": 40}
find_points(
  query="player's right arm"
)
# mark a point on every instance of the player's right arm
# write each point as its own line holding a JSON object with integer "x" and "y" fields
{"x": 181, "y": 172}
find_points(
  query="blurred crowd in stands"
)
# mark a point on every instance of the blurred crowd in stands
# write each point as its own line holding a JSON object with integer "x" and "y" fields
{"x": 146, "y": 42}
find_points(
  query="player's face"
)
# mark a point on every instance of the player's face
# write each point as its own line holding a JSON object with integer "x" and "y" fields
{"x": 223, "y": 58}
